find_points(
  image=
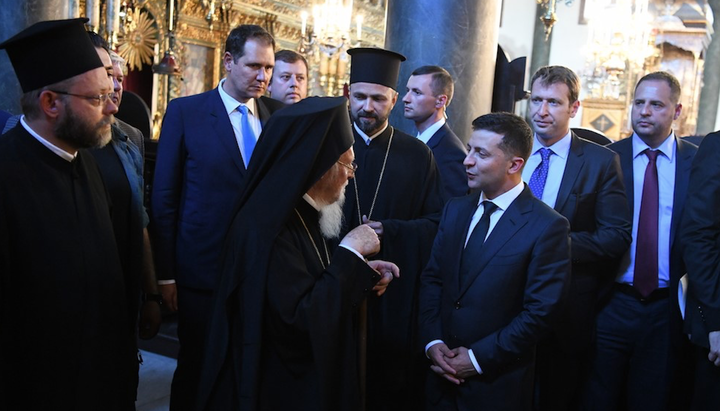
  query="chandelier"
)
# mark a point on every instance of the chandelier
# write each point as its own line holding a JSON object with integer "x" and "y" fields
{"x": 620, "y": 34}
{"x": 549, "y": 17}
{"x": 324, "y": 42}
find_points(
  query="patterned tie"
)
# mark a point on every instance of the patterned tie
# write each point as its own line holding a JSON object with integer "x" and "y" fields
{"x": 248, "y": 135}
{"x": 476, "y": 240}
{"x": 539, "y": 176}
{"x": 645, "y": 279}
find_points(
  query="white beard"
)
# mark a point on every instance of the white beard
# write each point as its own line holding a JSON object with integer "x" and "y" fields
{"x": 331, "y": 218}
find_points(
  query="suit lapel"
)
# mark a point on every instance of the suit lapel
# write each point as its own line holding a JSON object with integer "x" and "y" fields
{"x": 624, "y": 150}
{"x": 223, "y": 129}
{"x": 263, "y": 112}
{"x": 512, "y": 220}
{"x": 682, "y": 176}
{"x": 461, "y": 219}
{"x": 574, "y": 165}
{"x": 438, "y": 136}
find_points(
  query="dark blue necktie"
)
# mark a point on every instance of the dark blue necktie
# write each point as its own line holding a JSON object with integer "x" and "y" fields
{"x": 539, "y": 176}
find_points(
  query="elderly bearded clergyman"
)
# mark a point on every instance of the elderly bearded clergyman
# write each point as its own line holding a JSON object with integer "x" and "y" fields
{"x": 285, "y": 311}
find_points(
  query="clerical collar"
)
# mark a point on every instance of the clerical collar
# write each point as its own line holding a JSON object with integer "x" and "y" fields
{"x": 365, "y": 136}
{"x": 231, "y": 104}
{"x": 504, "y": 200}
{"x": 426, "y": 135}
{"x": 667, "y": 147}
{"x": 52, "y": 147}
{"x": 311, "y": 201}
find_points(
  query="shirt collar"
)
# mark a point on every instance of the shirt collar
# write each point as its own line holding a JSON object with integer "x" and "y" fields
{"x": 52, "y": 147}
{"x": 426, "y": 135}
{"x": 504, "y": 200}
{"x": 311, "y": 201}
{"x": 667, "y": 147}
{"x": 561, "y": 148}
{"x": 231, "y": 104}
{"x": 365, "y": 136}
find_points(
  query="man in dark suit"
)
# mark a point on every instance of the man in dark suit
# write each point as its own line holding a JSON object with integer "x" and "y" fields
{"x": 638, "y": 329}
{"x": 483, "y": 307}
{"x": 700, "y": 237}
{"x": 205, "y": 146}
{"x": 429, "y": 92}
{"x": 583, "y": 182}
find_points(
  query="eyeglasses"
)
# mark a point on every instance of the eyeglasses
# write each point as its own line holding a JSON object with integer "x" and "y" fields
{"x": 352, "y": 166}
{"x": 98, "y": 100}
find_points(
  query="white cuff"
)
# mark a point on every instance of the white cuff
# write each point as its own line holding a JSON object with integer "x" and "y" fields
{"x": 360, "y": 256}
{"x": 474, "y": 362}
{"x": 430, "y": 344}
{"x": 165, "y": 282}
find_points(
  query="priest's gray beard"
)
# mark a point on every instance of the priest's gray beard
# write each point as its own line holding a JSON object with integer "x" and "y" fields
{"x": 331, "y": 218}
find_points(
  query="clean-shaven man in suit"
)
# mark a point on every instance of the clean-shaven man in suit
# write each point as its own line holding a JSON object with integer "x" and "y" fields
{"x": 429, "y": 92}
{"x": 700, "y": 236}
{"x": 582, "y": 181}
{"x": 497, "y": 272}
{"x": 638, "y": 329}
{"x": 205, "y": 146}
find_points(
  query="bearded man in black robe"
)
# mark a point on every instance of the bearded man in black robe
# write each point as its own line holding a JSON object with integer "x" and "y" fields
{"x": 64, "y": 343}
{"x": 283, "y": 333}
{"x": 397, "y": 192}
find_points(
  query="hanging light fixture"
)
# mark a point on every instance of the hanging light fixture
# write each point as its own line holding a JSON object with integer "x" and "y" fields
{"x": 169, "y": 64}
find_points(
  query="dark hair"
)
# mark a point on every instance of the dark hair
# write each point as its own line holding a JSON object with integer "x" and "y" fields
{"x": 290, "y": 56}
{"x": 549, "y": 75}
{"x": 668, "y": 78}
{"x": 98, "y": 41}
{"x": 442, "y": 82}
{"x": 30, "y": 101}
{"x": 235, "y": 43}
{"x": 517, "y": 135}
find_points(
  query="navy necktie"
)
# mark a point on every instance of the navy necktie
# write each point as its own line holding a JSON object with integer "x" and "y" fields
{"x": 248, "y": 135}
{"x": 645, "y": 278}
{"x": 476, "y": 240}
{"x": 539, "y": 176}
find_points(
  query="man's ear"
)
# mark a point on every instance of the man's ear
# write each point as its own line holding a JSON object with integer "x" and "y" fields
{"x": 441, "y": 101}
{"x": 50, "y": 103}
{"x": 516, "y": 165}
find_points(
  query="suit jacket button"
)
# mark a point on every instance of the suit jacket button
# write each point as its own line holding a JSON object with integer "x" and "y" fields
{"x": 457, "y": 305}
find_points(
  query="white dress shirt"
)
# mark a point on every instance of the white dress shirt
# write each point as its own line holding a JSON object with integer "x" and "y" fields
{"x": 426, "y": 135}
{"x": 666, "y": 164}
{"x": 52, "y": 147}
{"x": 503, "y": 201}
{"x": 231, "y": 107}
{"x": 558, "y": 161}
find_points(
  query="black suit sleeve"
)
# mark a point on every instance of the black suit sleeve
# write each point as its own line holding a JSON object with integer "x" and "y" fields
{"x": 701, "y": 231}
{"x": 613, "y": 226}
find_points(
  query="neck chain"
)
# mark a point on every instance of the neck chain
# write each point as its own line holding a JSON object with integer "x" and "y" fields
{"x": 325, "y": 262}
{"x": 377, "y": 188}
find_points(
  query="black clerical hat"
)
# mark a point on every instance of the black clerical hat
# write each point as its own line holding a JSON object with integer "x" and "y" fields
{"x": 374, "y": 65}
{"x": 51, "y": 51}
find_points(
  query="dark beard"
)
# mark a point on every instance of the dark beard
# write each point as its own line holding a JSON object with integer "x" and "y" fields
{"x": 368, "y": 127}
{"x": 79, "y": 134}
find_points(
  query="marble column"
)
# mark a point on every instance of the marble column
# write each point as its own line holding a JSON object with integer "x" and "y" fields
{"x": 541, "y": 49}
{"x": 460, "y": 36}
{"x": 16, "y": 15}
{"x": 708, "y": 105}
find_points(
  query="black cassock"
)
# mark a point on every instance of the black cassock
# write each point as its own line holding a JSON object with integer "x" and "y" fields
{"x": 64, "y": 343}
{"x": 409, "y": 201}
{"x": 309, "y": 361}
